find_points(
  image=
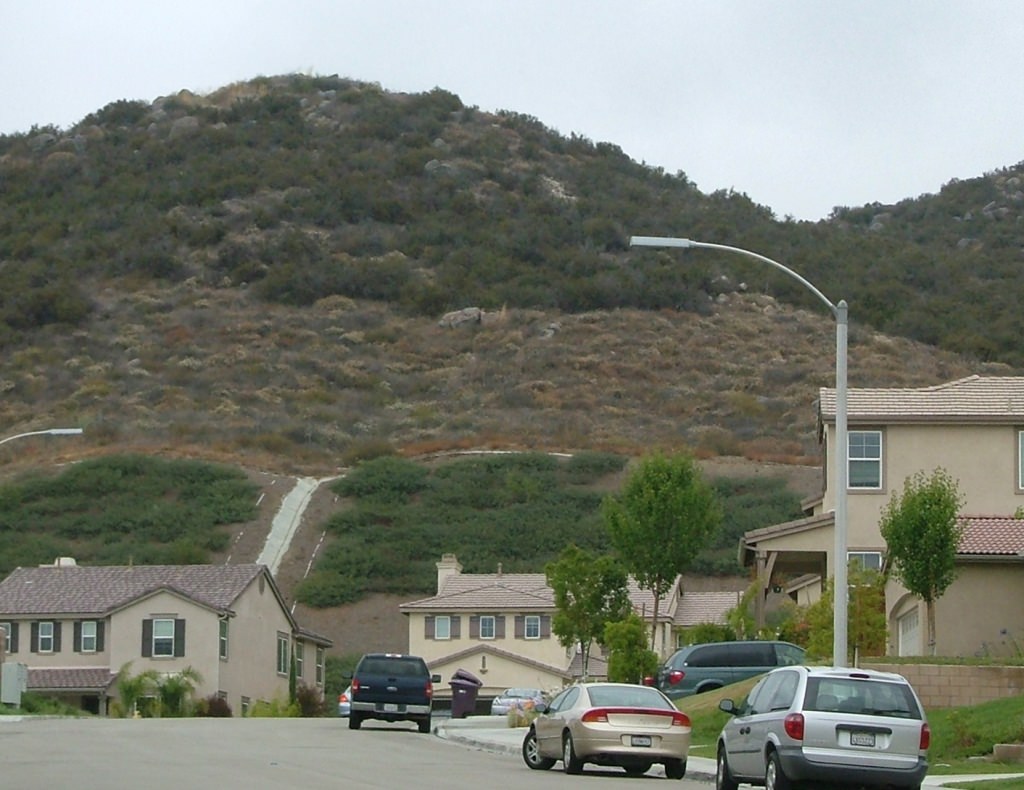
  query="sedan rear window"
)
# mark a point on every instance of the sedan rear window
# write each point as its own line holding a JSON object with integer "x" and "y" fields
{"x": 628, "y": 697}
{"x": 855, "y": 695}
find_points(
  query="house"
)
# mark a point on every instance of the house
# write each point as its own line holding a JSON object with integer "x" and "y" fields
{"x": 75, "y": 626}
{"x": 978, "y": 615}
{"x": 497, "y": 626}
{"x": 973, "y": 428}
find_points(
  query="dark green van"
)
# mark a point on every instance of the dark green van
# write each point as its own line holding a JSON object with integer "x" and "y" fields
{"x": 697, "y": 668}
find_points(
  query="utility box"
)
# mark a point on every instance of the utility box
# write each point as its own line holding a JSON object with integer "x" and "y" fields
{"x": 13, "y": 682}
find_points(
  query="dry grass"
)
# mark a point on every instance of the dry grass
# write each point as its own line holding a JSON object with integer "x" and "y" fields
{"x": 304, "y": 389}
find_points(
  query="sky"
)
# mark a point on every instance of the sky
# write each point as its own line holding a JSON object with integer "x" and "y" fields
{"x": 802, "y": 105}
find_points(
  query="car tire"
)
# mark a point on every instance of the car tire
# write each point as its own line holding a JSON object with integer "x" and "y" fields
{"x": 531, "y": 753}
{"x": 424, "y": 724}
{"x": 675, "y": 769}
{"x": 723, "y": 776}
{"x": 354, "y": 721}
{"x": 571, "y": 764}
{"x": 774, "y": 777}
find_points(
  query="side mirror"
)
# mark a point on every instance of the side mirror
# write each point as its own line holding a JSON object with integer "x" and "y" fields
{"x": 728, "y": 706}
{"x": 540, "y": 707}
{"x": 435, "y": 678}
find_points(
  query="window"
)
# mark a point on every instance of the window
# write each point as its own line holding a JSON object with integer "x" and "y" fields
{"x": 87, "y": 640}
{"x": 224, "y": 637}
{"x": 245, "y": 702}
{"x": 163, "y": 637}
{"x": 1020, "y": 459}
{"x": 487, "y": 626}
{"x": 10, "y": 643}
{"x": 865, "y": 459}
{"x": 533, "y": 626}
{"x": 442, "y": 627}
{"x": 45, "y": 643}
{"x": 869, "y": 560}
{"x": 300, "y": 654}
{"x": 282, "y": 654}
{"x": 320, "y": 653}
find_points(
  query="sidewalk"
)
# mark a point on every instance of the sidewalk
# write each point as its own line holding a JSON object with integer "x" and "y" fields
{"x": 490, "y": 733}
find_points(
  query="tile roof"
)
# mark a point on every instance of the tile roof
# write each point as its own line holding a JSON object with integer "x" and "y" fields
{"x": 71, "y": 679}
{"x": 98, "y": 590}
{"x": 491, "y": 650}
{"x": 706, "y": 607}
{"x": 992, "y": 535}
{"x": 511, "y": 591}
{"x": 971, "y": 399}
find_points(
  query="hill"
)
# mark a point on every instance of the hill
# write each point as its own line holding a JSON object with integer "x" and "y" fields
{"x": 258, "y": 276}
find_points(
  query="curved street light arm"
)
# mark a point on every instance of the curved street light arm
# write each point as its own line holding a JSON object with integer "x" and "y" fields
{"x": 48, "y": 432}
{"x": 840, "y": 313}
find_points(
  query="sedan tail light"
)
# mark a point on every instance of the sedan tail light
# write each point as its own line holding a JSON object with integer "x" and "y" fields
{"x": 794, "y": 726}
{"x": 343, "y": 697}
{"x": 600, "y": 715}
{"x": 926, "y": 737}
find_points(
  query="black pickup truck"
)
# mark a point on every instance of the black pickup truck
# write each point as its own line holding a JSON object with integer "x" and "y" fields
{"x": 392, "y": 687}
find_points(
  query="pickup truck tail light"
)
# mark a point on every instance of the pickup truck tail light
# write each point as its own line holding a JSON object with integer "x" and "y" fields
{"x": 926, "y": 737}
{"x": 430, "y": 690}
{"x": 355, "y": 686}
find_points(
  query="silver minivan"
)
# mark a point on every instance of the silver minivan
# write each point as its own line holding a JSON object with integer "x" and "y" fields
{"x": 830, "y": 725}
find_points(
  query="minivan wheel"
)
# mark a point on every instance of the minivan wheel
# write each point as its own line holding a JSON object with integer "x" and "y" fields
{"x": 774, "y": 777}
{"x": 723, "y": 776}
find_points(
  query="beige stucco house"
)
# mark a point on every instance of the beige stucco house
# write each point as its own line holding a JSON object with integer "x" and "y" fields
{"x": 75, "y": 626}
{"x": 974, "y": 429}
{"x": 979, "y": 614}
{"x": 497, "y": 626}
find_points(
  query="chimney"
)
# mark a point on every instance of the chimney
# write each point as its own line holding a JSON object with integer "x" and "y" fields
{"x": 447, "y": 567}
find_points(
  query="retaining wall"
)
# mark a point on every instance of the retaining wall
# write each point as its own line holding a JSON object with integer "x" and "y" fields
{"x": 951, "y": 686}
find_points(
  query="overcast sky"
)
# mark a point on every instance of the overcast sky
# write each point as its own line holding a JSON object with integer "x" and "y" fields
{"x": 803, "y": 105}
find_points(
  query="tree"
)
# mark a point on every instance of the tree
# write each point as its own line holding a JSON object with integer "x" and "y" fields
{"x": 865, "y": 617}
{"x": 922, "y": 533}
{"x": 629, "y": 658}
{"x": 132, "y": 689}
{"x": 660, "y": 522}
{"x": 175, "y": 691}
{"x": 589, "y": 593}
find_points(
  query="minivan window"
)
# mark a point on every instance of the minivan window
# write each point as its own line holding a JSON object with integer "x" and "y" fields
{"x": 753, "y": 655}
{"x": 789, "y": 655}
{"x": 711, "y": 656}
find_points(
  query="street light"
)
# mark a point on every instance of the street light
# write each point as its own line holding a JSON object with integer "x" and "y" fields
{"x": 47, "y": 432}
{"x": 839, "y": 312}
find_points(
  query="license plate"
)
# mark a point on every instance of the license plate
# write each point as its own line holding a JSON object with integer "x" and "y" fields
{"x": 390, "y": 707}
{"x": 862, "y": 738}
{"x": 640, "y": 740}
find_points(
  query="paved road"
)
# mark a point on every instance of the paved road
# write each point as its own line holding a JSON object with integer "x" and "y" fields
{"x": 265, "y": 754}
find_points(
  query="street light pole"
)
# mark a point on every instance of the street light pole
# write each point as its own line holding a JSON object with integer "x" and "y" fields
{"x": 839, "y": 312}
{"x": 47, "y": 432}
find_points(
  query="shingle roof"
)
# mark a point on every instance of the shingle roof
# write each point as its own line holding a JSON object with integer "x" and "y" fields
{"x": 994, "y": 535}
{"x": 972, "y": 399}
{"x": 97, "y": 590}
{"x": 71, "y": 679}
{"x": 705, "y": 607}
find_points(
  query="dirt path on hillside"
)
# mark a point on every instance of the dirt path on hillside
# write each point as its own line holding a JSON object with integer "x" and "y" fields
{"x": 375, "y": 623}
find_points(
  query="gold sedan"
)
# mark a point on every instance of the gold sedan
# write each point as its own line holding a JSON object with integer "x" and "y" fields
{"x": 620, "y": 724}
